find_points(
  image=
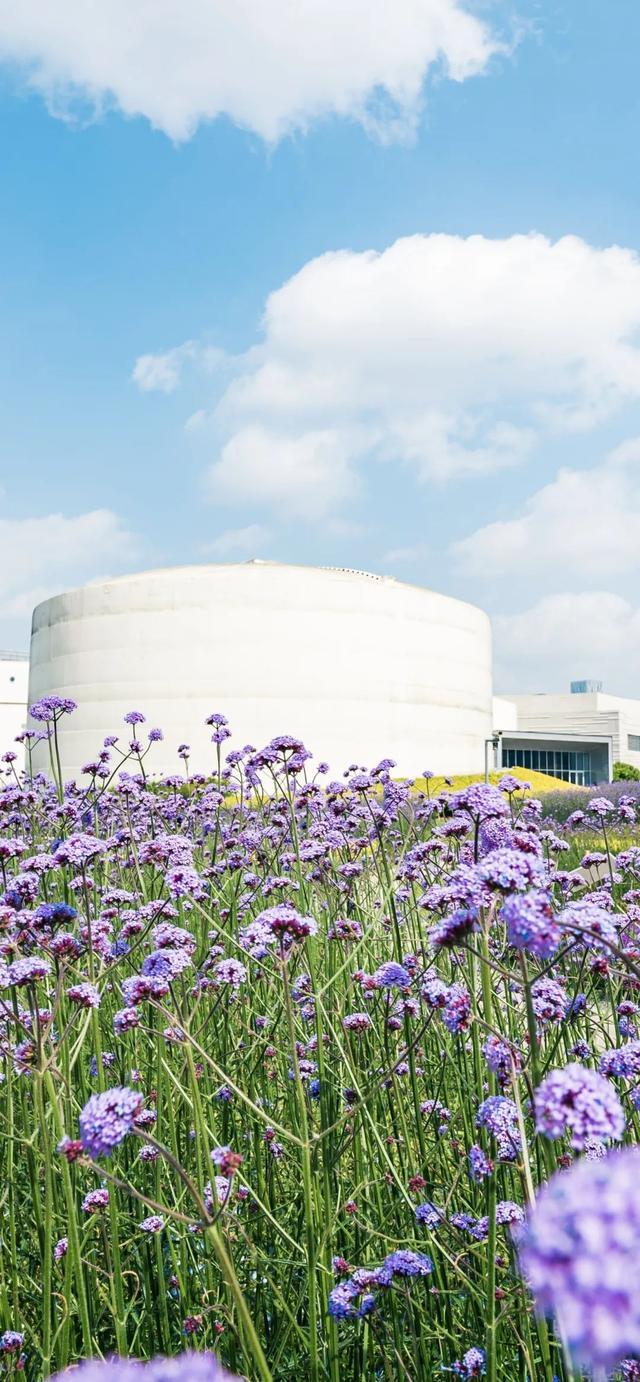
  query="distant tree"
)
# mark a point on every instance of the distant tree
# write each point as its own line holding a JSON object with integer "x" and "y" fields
{"x": 624, "y": 772}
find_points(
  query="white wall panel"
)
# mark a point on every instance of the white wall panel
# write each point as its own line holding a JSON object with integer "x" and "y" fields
{"x": 14, "y": 675}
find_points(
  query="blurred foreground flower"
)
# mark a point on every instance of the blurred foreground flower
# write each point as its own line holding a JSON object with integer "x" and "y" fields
{"x": 187, "y": 1367}
{"x": 580, "y": 1254}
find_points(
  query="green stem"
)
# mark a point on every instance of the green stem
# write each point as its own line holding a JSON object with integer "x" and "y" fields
{"x": 307, "y": 1183}
{"x": 72, "y": 1223}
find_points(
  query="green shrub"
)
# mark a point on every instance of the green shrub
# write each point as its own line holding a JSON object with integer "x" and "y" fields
{"x": 624, "y": 772}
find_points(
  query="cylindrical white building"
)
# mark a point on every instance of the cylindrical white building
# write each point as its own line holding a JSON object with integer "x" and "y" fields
{"x": 360, "y": 667}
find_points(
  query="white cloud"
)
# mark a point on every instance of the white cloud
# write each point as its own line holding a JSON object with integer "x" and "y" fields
{"x": 299, "y": 476}
{"x": 447, "y": 356}
{"x": 162, "y": 373}
{"x": 585, "y": 523}
{"x": 238, "y": 542}
{"x": 41, "y": 556}
{"x": 270, "y": 65}
{"x": 566, "y": 636}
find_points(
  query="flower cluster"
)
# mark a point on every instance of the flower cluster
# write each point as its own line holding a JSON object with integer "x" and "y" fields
{"x": 579, "y": 1101}
{"x": 355, "y": 1297}
{"x": 107, "y": 1118}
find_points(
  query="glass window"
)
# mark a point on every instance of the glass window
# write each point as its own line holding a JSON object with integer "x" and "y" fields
{"x": 633, "y": 742}
{"x": 569, "y": 765}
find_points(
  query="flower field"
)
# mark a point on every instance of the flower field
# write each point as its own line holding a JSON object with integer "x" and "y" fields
{"x": 326, "y": 1079}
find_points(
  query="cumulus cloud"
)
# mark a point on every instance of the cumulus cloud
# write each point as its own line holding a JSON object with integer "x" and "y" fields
{"x": 443, "y": 355}
{"x": 566, "y": 636}
{"x": 42, "y": 556}
{"x": 269, "y": 65}
{"x": 586, "y": 522}
{"x": 299, "y": 476}
{"x": 238, "y": 542}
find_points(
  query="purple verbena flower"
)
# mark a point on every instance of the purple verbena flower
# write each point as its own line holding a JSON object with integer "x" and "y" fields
{"x": 11, "y": 1341}
{"x": 580, "y": 1101}
{"x": 503, "y": 1060}
{"x": 95, "y": 1201}
{"x": 107, "y": 1118}
{"x": 455, "y": 928}
{"x": 285, "y": 923}
{"x": 51, "y": 707}
{"x": 125, "y": 1020}
{"x": 166, "y": 964}
{"x": 480, "y": 801}
{"x": 479, "y": 1165}
{"x": 549, "y": 999}
{"x": 531, "y": 924}
{"x": 356, "y": 1022}
{"x": 26, "y": 971}
{"x": 500, "y": 1117}
{"x": 428, "y": 1215}
{"x": 456, "y": 1013}
{"x": 392, "y": 975}
{"x": 342, "y": 1298}
{"x": 85, "y": 995}
{"x": 79, "y": 850}
{"x": 621, "y": 1061}
{"x": 511, "y": 870}
{"x": 231, "y": 972}
{"x": 590, "y": 924}
{"x": 473, "y": 1362}
{"x": 153, "y": 1224}
{"x": 405, "y": 1263}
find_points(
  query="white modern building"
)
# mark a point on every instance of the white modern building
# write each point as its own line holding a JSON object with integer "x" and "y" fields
{"x": 14, "y": 677}
{"x": 578, "y": 735}
{"x": 358, "y": 666}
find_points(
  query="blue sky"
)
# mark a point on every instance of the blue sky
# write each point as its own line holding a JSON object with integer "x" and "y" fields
{"x": 366, "y": 315}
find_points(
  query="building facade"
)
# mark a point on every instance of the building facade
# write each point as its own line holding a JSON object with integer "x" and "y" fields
{"x": 359, "y": 667}
{"x": 14, "y": 677}
{"x": 577, "y": 735}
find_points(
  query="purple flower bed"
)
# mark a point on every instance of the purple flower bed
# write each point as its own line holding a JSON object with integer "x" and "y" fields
{"x": 312, "y": 1077}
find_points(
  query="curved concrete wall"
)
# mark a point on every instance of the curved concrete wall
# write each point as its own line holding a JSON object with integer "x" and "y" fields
{"x": 358, "y": 666}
